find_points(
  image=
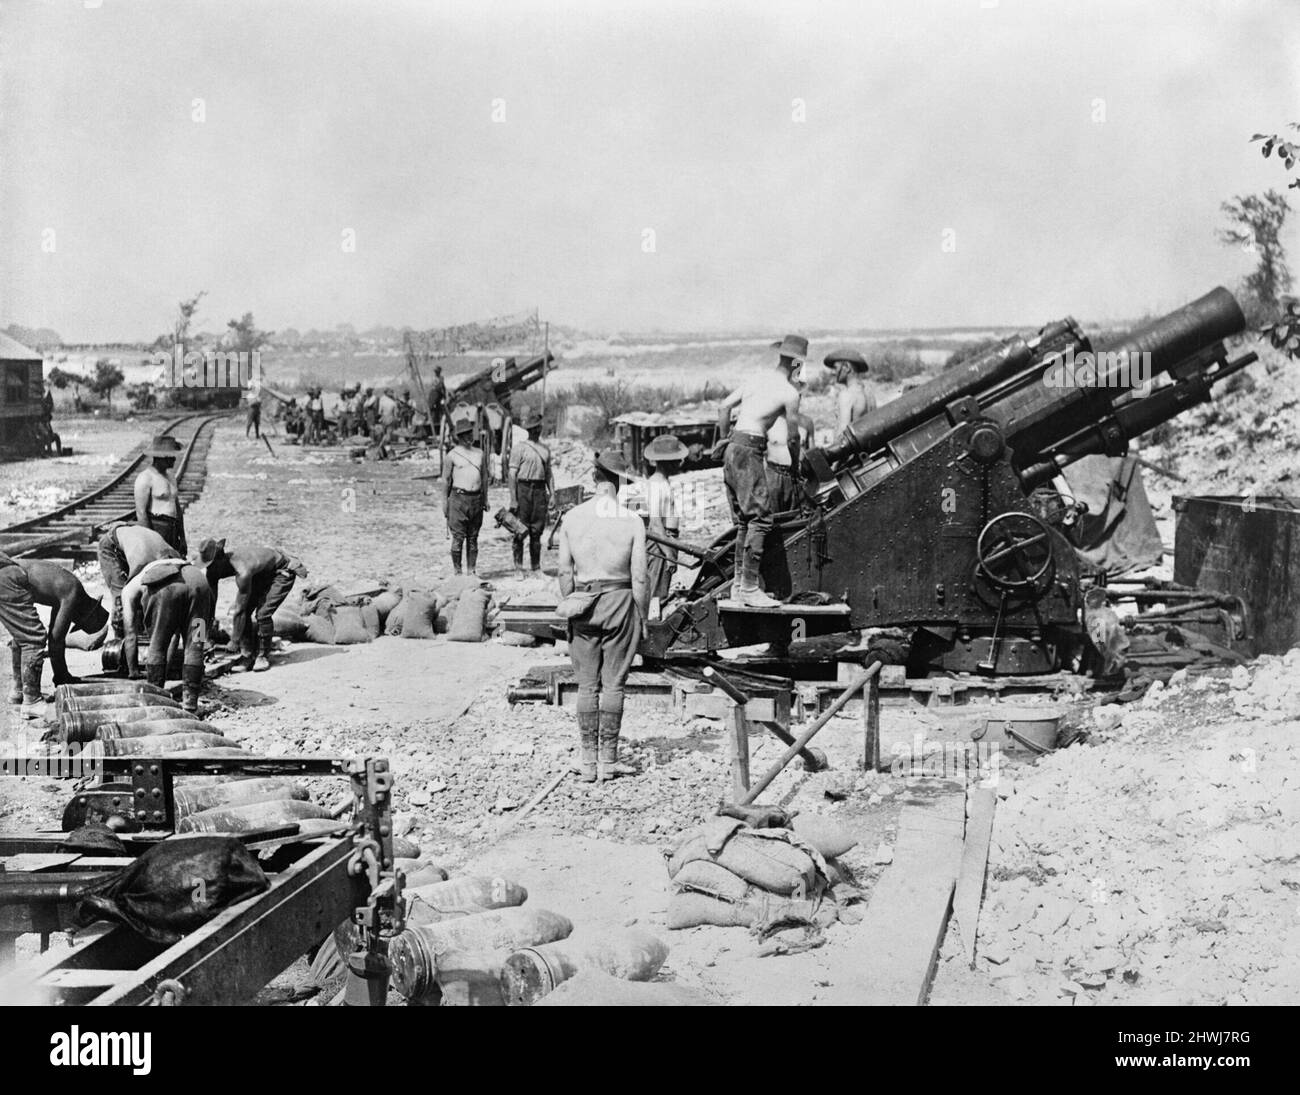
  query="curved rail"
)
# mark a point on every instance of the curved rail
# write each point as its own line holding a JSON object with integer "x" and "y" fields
{"x": 71, "y": 528}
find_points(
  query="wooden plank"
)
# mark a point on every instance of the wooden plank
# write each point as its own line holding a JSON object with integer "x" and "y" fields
{"x": 38, "y": 861}
{"x": 974, "y": 861}
{"x": 784, "y": 610}
{"x": 84, "y": 979}
{"x": 897, "y": 940}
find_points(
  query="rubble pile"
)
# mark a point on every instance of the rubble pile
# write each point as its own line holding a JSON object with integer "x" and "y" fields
{"x": 1164, "y": 866}
{"x": 1244, "y": 439}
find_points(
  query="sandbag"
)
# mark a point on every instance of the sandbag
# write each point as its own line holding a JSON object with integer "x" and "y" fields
{"x": 691, "y": 910}
{"x": 712, "y": 880}
{"x": 288, "y": 623}
{"x": 350, "y": 627}
{"x": 759, "y": 910}
{"x": 454, "y": 586}
{"x": 764, "y": 857}
{"x": 417, "y": 618}
{"x": 270, "y": 814}
{"x": 516, "y": 638}
{"x": 825, "y": 834}
{"x": 469, "y": 619}
{"x": 393, "y": 621}
{"x": 320, "y": 629}
{"x": 596, "y": 989}
{"x": 176, "y": 887}
{"x": 371, "y": 621}
{"x": 386, "y": 602}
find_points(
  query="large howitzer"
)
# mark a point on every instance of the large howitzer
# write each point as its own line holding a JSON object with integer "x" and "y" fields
{"x": 920, "y": 513}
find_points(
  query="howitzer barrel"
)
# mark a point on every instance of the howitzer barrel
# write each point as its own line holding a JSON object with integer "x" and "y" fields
{"x": 876, "y": 429}
{"x": 1184, "y": 332}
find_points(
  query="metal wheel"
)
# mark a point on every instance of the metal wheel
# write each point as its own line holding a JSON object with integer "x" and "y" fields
{"x": 1014, "y": 551}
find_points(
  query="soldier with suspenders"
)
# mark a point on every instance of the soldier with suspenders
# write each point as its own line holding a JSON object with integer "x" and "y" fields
{"x": 531, "y": 484}
{"x": 464, "y": 503}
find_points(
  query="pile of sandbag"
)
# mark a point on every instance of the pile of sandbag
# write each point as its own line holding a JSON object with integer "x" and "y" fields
{"x": 131, "y": 718}
{"x": 462, "y": 609}
{"x": 727, "y": 872}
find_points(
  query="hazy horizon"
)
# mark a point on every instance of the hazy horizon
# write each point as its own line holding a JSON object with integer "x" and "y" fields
{"x": 951, "y": 163}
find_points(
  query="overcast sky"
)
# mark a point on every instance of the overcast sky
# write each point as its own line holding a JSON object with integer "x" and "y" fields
{"x": 957, "y": 161}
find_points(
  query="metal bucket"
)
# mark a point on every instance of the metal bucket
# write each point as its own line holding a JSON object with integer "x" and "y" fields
{"x": 1027, "y": 729}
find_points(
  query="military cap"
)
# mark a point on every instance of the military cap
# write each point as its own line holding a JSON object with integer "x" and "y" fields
{"x": 666, "y": 446}
{"x": 615, "y": 463}
{"x": 792, "y": 346}
{"x": 849, "y": 357}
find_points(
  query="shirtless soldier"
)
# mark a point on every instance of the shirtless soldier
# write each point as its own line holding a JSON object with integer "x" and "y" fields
{"x": 157, "y": 496}
{"x": 123, "y": 551}
{"x": 173, "y": 599}
{"x": 263, "y": 577}
{"x": 465, "y": 500}
{"x": 763, "y": 399}
{"x": 852, "y": 400}
{"x": 26, "y": 637}
{"x": 602, "y": 574}
{"x": 71, "y": 606}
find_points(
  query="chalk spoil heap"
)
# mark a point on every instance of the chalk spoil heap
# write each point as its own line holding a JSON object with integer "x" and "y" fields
{"x": 1162, "y": 866}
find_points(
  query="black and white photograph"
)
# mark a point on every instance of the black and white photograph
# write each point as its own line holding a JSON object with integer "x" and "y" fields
{"x": 683, "y": 504}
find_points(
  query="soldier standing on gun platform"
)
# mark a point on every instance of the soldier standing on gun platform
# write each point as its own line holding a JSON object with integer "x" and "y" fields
{"x": 666, "y": 453}
{"x": 764, "y": 398}
{"x": 531, "y": 485}
{"x": 464, "y": 502}
{"x": 602, "y": 577}
{"x": 158, "y": 496}
{"x": 852, "y": 400}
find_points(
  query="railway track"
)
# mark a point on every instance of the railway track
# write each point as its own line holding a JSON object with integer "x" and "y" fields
{"x": 73, "y": 529}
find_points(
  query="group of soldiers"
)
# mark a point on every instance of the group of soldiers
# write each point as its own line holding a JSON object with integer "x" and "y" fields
{"x": 608, "y": 577}
{"x": 163, "y": 597}
{"x": 376, "y": 414}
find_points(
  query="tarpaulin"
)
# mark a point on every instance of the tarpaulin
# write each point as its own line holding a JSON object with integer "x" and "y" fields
{"x": 1118, "y": 534}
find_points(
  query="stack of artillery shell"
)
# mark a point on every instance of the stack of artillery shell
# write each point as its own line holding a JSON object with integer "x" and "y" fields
{"x": 267, "y": 813}
{"x": 131, "y": 718}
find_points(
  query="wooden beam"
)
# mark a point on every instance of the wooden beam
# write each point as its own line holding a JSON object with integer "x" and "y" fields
{"x": 900, "y": 933}
{"x": 974, "y": 861}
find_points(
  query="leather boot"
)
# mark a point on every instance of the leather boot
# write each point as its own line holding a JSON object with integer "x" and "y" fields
{"x": 156, "y": 673}
{"x": 192, "y": 685}
{"x": 611, "y": 722}
{"x": 33, "y": 665}
{"x": 588, "y": 735}
{"x": 747, "y": 590}
{"x": 263, "y": 661}
{"x": 16, "y": 682}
